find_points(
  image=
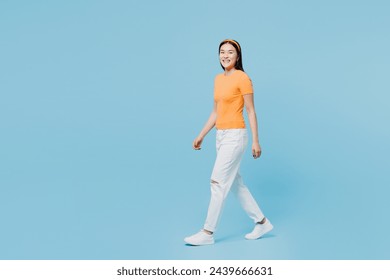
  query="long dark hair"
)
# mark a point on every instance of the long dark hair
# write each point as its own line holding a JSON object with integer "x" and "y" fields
{"x": 237, "y": 46}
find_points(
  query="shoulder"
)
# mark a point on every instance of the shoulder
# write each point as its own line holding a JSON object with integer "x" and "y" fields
{"x": 242, "y": 75}
{"x": 243, "y": 78}
{"x": 218, "y": 77}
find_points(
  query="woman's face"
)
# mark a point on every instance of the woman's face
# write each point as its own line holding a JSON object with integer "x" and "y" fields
{"x": 228, "y": 56}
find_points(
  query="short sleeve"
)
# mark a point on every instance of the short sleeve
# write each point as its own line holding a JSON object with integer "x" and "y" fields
{"x": 245, "y": 85}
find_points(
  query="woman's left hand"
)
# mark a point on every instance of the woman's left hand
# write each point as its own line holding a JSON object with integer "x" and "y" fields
{"x": 256, "y": 150}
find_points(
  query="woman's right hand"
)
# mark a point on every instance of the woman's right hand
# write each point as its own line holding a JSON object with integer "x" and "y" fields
{"x": 197, "y": 143}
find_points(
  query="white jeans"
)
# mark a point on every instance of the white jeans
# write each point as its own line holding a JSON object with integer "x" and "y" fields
{"x": 231, "y": 144}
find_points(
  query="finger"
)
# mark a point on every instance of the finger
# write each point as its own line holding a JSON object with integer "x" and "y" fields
{"x": 196, "y": 145}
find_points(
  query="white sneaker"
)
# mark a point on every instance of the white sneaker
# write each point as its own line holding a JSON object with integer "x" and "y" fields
{"x": 260, "y": 230}
{"x": 200, "y": 238}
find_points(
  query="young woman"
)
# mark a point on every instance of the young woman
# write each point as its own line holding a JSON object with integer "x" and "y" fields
{"x": 232, "y": 91}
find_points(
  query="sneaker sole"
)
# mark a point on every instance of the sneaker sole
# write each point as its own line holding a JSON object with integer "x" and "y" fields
{"x": 198, "y": 244}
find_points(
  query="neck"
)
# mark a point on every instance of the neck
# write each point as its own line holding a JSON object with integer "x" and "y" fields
{"x": 230, "y": 71}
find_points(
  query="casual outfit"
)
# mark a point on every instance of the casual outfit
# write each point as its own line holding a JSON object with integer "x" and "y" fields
{"x": 228, "y": 94}
{"x": 231, "y": 141}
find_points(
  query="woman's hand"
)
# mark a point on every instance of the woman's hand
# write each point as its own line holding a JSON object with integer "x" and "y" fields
{"x": 250, "y": 109}
{"x": 256, "y": 150}
{"x": 197, "y": 143}
{"x": 207, "y": 127}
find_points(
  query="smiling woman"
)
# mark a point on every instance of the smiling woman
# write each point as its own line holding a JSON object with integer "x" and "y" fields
{"x": 230, "y": 55}
{"x": 97, "y": 103}
{"x": 232, "y": 90}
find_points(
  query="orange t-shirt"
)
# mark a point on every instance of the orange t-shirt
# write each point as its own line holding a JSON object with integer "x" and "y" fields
{"x": 228, "y": 95}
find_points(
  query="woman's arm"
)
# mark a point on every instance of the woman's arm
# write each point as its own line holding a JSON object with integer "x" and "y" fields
{"x": 207, "y": 127}
{"x": 250, "y": 109}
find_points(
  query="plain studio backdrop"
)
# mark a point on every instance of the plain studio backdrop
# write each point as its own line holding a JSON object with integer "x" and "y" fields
{"x": 100, "y": 102}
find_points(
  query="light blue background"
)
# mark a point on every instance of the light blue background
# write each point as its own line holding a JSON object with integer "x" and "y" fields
{"x": 100, "y": 102}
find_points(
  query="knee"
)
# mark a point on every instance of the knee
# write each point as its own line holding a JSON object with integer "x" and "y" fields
{"x": 215, "y": 185}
